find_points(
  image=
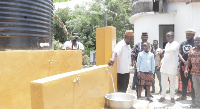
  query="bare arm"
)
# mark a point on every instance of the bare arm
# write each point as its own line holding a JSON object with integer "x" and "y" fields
{"x": 181, "y": 57}
{"x": 188, "y": 64}
{"x": 111, "y": 61}
{"x": 133, "y": 60}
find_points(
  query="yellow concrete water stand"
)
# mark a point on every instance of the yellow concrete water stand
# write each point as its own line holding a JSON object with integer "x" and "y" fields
{"x": 60, "y": 91}
{"x": 19, "y": 68}
{"x": 105, "y": 43}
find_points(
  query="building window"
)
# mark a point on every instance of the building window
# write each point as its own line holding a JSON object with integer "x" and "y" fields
{"x": 156, "y": 5}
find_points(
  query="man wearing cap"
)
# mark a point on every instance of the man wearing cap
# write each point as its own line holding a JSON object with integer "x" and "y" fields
{"x": 123, "y": 53}
{"x": 73, "y": 44}
{"x": 194, "y": 61}
{"x": 169, "y": 66}
{"x": 135, "y": 51}
{"x": 183, "y": 56}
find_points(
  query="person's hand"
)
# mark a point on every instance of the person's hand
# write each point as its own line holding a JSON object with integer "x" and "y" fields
{"x": 159, "y": 52}
{"x": 188, "y": 1}
{"x": 160, "y": 64}
{"x": 111, "y": 62}
{"x": 138, "y": 75}
{"x": 186, "y": 73}
{"x": 157, "y": 68}
{"x": 150, "y": 72}
{"x": 132, "y": 64}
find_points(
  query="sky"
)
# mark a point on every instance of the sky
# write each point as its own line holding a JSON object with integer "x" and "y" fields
{"x": 71, "y": 3}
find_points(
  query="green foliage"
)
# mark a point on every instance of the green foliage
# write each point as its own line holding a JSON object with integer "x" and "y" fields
{"x": 86, "y": 60}
{"x": 64, "y": 15}
{"x": 85, "y": 21}
{"x": 57, "y": 44}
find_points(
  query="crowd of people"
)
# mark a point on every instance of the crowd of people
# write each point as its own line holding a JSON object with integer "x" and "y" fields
{"x": 148, "y": 60}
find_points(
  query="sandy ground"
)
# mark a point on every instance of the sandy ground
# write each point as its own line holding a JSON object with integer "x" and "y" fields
{"x": 185, "y": 104}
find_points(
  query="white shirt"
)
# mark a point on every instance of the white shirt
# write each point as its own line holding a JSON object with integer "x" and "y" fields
{"x": 68, "y": 44}
{"x": 123, "y": 57}
{"x": 170, "y": 59}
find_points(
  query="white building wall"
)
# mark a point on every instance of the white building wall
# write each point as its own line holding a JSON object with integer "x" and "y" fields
{"x": 196, "y": 17}
{"x": 170, "y": 6}
{"x": 186, "y": 17}
{"x": 183, "y": 21}
{"x": 150, "y": 24}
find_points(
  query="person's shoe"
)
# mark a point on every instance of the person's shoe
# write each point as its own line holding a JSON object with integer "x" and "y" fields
{"x": 151, "y": 96}
{"x": 193, "y": 101}
{"x": 172, "y": 100}
{"x": 133, "y": 88}
{"x": 139, "y": 98}
{"x": 181, "y": 98}
{"x": 193, "y": 105}
{"x": 161, "y": 99}
{"x": 168, "y": 91}
{"x": 149, "y": 99}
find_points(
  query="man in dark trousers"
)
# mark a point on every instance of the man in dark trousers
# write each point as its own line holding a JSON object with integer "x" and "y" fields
{"x": 136, "y": 50}
{"x": 183, "y": 56}
{"x": 123, "y": 53}
{"x": 194, "y": 61}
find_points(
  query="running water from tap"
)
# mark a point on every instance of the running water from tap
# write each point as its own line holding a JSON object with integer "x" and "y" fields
{"x": 111, "y": 78}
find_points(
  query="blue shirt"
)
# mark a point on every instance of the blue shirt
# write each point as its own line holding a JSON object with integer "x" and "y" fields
{"x": 139, "y": 48}
{"x": 145, "y": 62}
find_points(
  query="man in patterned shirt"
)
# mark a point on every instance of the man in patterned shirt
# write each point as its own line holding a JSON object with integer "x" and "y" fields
{"x": 136, "y": 50}
{"x": 194, "y": 61}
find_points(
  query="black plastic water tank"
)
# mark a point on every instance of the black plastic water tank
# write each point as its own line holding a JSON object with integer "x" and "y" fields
{"x": 26, "y": 24}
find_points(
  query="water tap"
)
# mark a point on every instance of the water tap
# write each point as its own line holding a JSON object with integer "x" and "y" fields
{"x": 78, "y": 80}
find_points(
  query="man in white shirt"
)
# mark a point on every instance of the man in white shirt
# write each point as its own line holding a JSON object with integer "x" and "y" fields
{"x": 169, "y": 66}
{"x": 73, "y": 44}
{"x": 123, "y": 53}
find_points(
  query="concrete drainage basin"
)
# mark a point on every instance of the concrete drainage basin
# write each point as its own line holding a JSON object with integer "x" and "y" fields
{"x": 120, "y": 100}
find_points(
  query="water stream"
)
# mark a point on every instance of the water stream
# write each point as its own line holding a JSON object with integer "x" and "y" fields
{"x": 111, "y": 78}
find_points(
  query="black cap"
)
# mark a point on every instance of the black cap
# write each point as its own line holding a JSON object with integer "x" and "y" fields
{"x": 74, "y": 33}
{"x": 144, "y": 34}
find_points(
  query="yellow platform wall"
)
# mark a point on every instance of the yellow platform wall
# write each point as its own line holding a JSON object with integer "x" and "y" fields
{"x": 105, "y": 43}
{"x": 19, "y": 68}
{"x": 60, "y": 92}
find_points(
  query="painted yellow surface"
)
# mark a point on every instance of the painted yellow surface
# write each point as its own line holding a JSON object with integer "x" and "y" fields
{"x": 60, "y": 91}
{"x": 106, "y": 41}
{"x": 110, "y": 42}
{"x": 100, "y": 46}
{"x": 18, "y": 68}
